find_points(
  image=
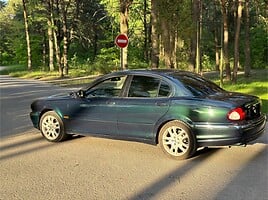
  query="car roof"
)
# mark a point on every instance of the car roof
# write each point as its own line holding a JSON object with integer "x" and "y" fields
{"x": 162, "y": 72}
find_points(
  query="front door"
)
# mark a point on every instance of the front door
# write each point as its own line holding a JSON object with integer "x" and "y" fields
{"x": 97, "y": 112}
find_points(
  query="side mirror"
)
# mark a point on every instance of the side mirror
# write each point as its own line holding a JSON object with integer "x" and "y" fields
{"x": 81, "y": 93}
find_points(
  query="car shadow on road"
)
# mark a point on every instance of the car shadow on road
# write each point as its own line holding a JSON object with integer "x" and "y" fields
{"x": 25, "y": 143}
{"x": 156, "y": 188}
{"x": 251, "y": 182}
{"x": 20, "y": 143}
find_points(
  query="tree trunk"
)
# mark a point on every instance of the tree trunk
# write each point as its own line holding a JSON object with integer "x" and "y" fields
{"x": 50, "y": 35}
{"x": 236, "y": 44}
{"x": 145, "y": 29}
{"x": 58, "y": 54}
{"x": 226, "y": 39}
{"x": 124, "y": 8}
{"x": 44, "y": 51}
{"x": 168, "y": 39}
{"x": 56, "y": 44}
{"x": 217, "y": 50}
{"x": 154, "y": 35}
{"x": 217, "y": 40}
{"x": 25, "y": 14}
{"x": 193, "y": 54}
{"x": 65, "y": 43}
{"x": 247, "y": 40}
{"x": 57, "y": 39}
{"x": 221, "y": 58}
{"x": 198, "y": 36}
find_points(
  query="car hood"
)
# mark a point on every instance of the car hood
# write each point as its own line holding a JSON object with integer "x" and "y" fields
{"x": 60, "y": 96}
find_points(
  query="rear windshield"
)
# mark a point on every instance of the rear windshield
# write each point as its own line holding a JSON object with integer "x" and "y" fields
{"x": 197, "y": 85}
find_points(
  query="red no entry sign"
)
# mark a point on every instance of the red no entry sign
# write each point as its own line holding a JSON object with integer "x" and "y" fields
{"x": 121, "y": 40}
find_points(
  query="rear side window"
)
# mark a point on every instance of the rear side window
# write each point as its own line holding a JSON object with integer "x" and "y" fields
{"x": 148, "y": 87}
{"x": 164, "y": 90}
{"x": 199, "y": 86}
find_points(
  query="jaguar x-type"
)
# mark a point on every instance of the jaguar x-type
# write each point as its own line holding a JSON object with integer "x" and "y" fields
{"x": 180, "y": 111}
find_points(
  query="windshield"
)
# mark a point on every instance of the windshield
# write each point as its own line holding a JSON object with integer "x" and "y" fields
{"x": 197, "y": 85}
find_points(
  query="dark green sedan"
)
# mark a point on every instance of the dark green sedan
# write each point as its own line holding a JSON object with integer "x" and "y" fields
{"x": 180, "y": 111}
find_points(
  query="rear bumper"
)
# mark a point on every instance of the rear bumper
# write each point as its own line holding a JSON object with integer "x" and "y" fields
{"x": 229, "y": 134}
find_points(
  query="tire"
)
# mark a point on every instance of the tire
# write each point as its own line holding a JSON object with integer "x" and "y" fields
{"x": 51, "y": 127}
{"x": 177, "y": 141}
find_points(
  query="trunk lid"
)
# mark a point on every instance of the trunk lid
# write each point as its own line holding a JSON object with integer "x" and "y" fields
{"x": 250, "y": 104}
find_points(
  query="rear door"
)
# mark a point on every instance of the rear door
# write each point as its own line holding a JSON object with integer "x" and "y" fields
{"x": 147, "y": 100}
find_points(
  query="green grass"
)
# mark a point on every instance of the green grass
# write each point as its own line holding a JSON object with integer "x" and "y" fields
{"x": 22, "y": 72}
{"x": 256, "y": 84}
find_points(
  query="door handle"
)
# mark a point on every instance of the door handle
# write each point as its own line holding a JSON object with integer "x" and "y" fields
{"x": 110, "y": 103}
{"x": 161, "y": 104}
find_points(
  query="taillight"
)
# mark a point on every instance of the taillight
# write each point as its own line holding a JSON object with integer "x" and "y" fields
{"x": 236, "y": 114}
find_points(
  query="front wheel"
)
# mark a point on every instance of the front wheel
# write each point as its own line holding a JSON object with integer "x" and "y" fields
{"x": 177, "y": 141}
{"x": 52, "y": 127}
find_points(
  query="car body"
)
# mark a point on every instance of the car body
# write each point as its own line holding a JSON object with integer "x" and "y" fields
{"x": 179, "y": 110}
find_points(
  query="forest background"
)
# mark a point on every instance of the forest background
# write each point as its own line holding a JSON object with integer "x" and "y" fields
{"x": 63, "y": 36}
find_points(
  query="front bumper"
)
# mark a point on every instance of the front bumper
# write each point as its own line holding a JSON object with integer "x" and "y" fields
{"x": 229, "y": 134}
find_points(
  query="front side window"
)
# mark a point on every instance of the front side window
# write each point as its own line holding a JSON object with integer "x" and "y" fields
{"x": 108, "y": 88}
{"x": 148, "y": 87}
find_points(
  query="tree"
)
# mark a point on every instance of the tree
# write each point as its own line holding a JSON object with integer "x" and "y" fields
{"x": 64, "y": 11}
{"x": 224, "y": 5}
{"x": 56, "y": 30}
{"x": 145, "y": 29}
{"x": 177, "y": 34}
{"x": 217, "y": 33}
{"x": 194, "y": 13}
{"x": 247, "y": 40}
{"x": 198, "y": 29}
{"x": 154, "y": 35}
{"x": 50, "y": 23}
{"x": 236, "y": 44}
{"x": 27, "y": 34}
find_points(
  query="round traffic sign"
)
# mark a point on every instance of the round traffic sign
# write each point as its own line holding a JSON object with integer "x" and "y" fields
{"x": 121, "y": 40}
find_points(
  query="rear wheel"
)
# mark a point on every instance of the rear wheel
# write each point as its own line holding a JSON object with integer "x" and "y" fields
{"x": 52, "y": 127}
{"x": 177, "y": 140}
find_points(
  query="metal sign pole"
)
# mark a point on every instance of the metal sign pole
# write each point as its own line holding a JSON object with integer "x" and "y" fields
{"x": 121, "y": 58}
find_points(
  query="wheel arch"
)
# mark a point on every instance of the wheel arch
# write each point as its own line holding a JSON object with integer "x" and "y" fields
{"x": 42, "y": 113}
{"x": 184, "y": 121}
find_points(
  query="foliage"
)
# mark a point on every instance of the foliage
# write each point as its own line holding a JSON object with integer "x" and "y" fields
{"x": 93, "y": 25}
{"x": 259, "y": 45}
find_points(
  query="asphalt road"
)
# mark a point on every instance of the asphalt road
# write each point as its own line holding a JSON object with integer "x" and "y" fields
{"x": 95, "y": 168}
{"x": 16, "y": 96}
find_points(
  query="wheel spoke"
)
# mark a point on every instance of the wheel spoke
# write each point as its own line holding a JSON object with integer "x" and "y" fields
{"x": 183, "y": 148}
{"x": 174, "y": 149}
{"x": 167, "y": 142}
